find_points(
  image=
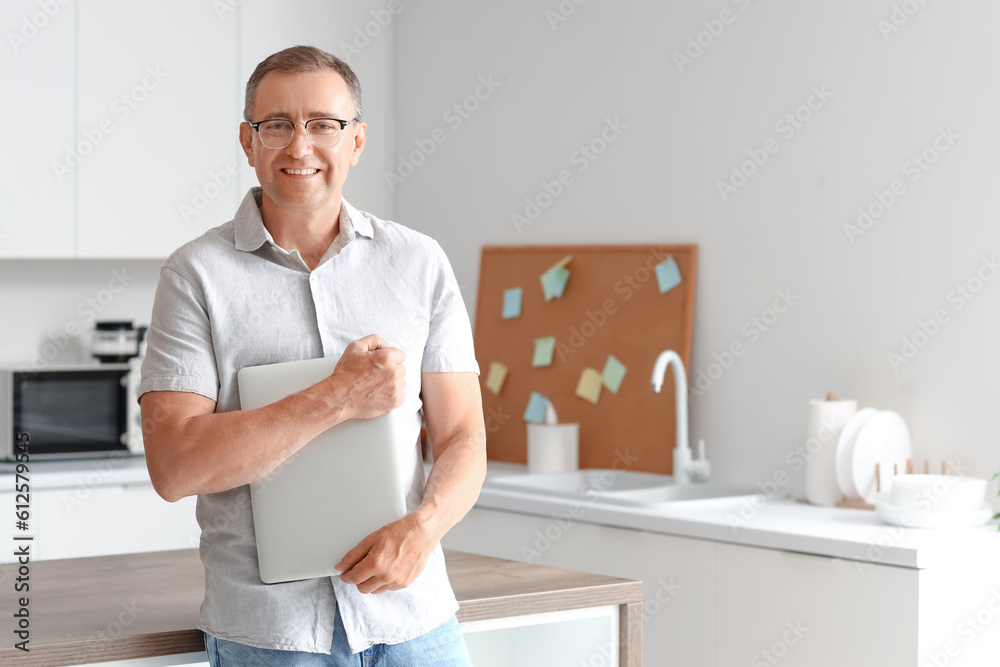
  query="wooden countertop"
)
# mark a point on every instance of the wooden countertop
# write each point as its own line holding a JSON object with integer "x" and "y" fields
{"x": 86, "y": 610}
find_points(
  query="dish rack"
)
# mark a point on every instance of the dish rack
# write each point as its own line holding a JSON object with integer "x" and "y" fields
{"x": 860, "y": 504}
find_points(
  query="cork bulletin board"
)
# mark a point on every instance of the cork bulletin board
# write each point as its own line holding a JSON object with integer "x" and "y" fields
{"x": 611, "y": 304}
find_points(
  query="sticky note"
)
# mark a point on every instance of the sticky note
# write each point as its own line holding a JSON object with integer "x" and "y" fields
{"x": 536, "y": 408}
{"x": 512, "y": 303}
{"x": 589, "y": 386}
{"x": 554, "y": 282}
{"x": 544, "y": 349}
{"x": 495, "y": 377}
{"x": 614, "y": 373}
{"x": 668, "y": 275}
{"x": 563, "y": 262}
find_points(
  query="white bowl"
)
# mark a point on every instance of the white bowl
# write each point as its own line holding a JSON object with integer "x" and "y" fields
{"x": 932, "y": 517}
{"x": 938, "y": 492}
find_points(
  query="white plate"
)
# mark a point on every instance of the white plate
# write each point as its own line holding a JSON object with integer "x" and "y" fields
{"x": 909, "y": 517}
{"x": 845, "y": 451}
{"x": 885, "y": 440}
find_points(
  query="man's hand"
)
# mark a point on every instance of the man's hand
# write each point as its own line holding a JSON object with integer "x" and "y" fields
{"x": 389, "y": 559}
{"x": 370, "y": 377}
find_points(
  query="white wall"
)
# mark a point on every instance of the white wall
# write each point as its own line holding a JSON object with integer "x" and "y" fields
{"x": 782, "y": 230}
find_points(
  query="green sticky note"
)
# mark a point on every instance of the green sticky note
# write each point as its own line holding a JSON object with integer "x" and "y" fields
{"x": 544, "y": 349}
{"x": 668, "y": 275}
{"x": 554, "y": 282}
{"x": 537, "y": 406}
{"x": 589, "y": 386}
{"x": 614, "y": 373}
{"x": 512, "y": 303}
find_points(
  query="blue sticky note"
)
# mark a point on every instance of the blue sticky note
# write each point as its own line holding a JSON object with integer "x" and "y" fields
{"x": 668, "y": 275}
{"x": 554, "y": 282}
{"x": 537, "y": 406}
{"x": 512, "y": 303}
{"x": 544, "y": 350}
{"x": 614, "y": 373}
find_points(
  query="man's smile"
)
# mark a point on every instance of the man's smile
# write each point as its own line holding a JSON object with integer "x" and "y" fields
{"x": 300, "y": 172}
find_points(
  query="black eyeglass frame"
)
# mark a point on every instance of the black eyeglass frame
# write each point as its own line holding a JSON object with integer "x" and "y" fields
{"x": 305, "y": 124}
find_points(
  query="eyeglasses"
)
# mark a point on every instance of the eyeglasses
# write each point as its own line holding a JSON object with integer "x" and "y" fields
{"x": 322, "y": 132}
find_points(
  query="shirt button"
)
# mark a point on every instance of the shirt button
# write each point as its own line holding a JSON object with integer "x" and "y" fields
{"x": 313, "y": 278}
{"x": 324, "y": 328}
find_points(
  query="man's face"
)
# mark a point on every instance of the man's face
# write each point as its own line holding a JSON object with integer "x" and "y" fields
{"x": 300, "y": 97}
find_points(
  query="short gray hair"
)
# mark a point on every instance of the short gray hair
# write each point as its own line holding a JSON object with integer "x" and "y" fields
{"x": 302, "y": 59}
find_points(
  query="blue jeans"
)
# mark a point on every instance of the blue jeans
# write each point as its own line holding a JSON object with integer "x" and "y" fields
{"x": 441, "y": 647}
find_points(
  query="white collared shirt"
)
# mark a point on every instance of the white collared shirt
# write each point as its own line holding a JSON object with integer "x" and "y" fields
{"x": 233, "y": 298}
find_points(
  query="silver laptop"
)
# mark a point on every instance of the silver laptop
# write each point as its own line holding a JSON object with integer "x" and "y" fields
{"x": 340, "y": 487}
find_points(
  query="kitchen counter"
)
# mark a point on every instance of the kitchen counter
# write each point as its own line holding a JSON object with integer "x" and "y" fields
{"x": 88, "y": 610}
{"x": 772, "y": 523}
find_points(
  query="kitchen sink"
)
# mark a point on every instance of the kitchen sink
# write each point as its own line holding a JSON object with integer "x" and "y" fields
{"x": 583, "y": 482}
{"x": 673, "y": 493}
{"x": 618, "y": 486}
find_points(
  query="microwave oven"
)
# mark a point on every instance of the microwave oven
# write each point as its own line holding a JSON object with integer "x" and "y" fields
{"x": 70, "y": 411}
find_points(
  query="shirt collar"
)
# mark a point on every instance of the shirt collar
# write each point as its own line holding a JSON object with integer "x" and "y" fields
{"x": 251, "y": 233}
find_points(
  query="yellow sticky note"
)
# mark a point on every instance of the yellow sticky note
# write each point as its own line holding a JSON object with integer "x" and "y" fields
{"x": 495, "y": 377}
{"x": 563, "y": 262}
{"x": 589, "y": 386}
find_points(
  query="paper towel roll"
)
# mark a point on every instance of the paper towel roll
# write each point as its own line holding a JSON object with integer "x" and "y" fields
{"x": 826, "y": 421}
{"x": 553, "y": 447}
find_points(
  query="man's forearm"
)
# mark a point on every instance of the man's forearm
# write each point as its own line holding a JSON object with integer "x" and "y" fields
{"x": 214, "y": 452}
{"x": 453, "y": 484}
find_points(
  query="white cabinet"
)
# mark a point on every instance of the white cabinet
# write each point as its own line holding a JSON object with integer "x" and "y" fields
{"x": 156, "y": 100}
{"x": 89, "y": 520}
{"x": 712, "y": 603}
{"x": 123, "y": 117}
{"x": 678, "y": 574}
{"x": 810, "y": 611}
{"x": 37, "y": 218}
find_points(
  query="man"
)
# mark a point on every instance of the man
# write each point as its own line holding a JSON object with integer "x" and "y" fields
{"x": 300, "y": 273}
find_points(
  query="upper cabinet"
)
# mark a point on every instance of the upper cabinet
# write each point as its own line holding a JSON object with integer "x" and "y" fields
{"x": 122, "y": 117}
{"x": 39, "y": 138}
{"x": 156, "y": 100}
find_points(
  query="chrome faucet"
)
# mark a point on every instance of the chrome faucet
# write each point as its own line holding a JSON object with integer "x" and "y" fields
{"x": 686, "y": 469}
